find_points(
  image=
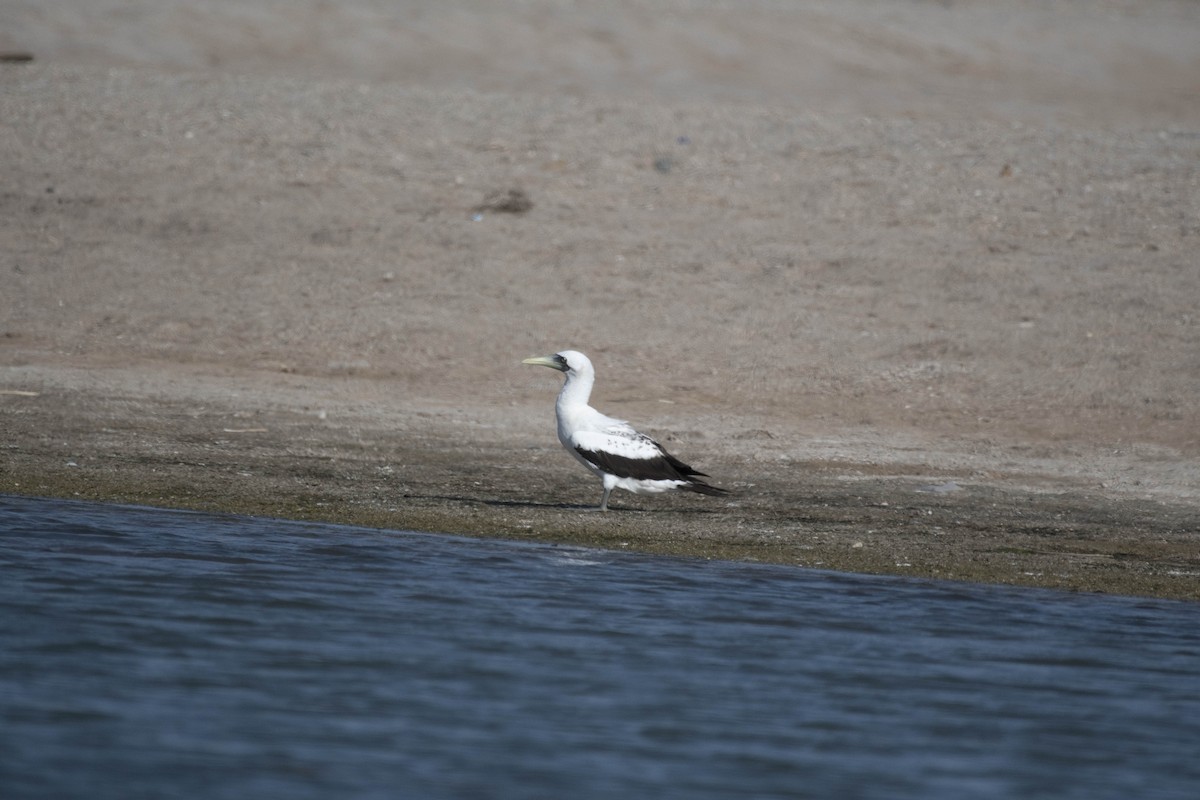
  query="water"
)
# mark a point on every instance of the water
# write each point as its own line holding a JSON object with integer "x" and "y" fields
{"x": 156, "y": 654}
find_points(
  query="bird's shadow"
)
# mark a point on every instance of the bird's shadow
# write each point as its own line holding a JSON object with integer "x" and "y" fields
{"x": 532, "y": 504}
{"x": 479, "y": 501}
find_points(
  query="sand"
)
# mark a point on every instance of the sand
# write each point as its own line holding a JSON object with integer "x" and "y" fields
{"x": 917, "y": 281}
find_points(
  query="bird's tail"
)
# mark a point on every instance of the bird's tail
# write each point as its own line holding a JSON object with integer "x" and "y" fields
{"x": 692, "y": 475}
{"x": 701, "y": 487}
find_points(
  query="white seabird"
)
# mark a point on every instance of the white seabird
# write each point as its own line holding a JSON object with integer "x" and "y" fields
{"x": 620, "y": 456}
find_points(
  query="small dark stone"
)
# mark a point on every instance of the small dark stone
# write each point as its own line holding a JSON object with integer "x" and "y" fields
{"x": 513, "y": 201}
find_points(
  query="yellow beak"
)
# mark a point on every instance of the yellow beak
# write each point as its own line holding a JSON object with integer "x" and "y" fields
{"x": 552, "y": 362}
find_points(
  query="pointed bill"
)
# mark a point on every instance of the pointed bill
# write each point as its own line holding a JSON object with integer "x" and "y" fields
{"x": 553, "y": 362}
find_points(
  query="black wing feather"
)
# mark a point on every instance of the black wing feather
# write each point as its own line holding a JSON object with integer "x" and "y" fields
{"x": 664, "y": 467}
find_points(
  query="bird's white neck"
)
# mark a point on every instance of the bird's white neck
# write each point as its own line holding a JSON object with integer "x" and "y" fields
{"x": 572, "y": 407}
{"x": 576, "y": 391}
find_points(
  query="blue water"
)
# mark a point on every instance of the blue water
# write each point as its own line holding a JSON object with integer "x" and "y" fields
{"x": 159, "y": 654}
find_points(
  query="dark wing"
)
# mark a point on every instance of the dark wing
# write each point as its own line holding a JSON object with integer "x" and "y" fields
{"x": 634, "y": 455}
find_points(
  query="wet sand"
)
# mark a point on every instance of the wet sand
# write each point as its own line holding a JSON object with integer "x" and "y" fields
{"x": 927, "y": 309}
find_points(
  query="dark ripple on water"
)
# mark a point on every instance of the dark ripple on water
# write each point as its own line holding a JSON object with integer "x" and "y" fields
{"x": 148, "y": 653}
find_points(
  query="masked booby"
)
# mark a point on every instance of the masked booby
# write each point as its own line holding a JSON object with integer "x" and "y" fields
{"x": 616, "y": 453}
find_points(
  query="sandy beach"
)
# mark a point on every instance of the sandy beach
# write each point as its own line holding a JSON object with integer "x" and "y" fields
{"x": 918, "y": 282}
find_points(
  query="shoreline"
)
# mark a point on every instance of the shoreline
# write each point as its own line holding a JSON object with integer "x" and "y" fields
{"x": 356, "y": 467}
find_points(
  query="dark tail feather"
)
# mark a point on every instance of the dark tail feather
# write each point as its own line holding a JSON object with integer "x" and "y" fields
{"x": 703, "y": 488}
{"x": 690, "y": 474}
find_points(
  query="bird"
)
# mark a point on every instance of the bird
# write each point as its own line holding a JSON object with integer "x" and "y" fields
{"x": 610, "y": 448}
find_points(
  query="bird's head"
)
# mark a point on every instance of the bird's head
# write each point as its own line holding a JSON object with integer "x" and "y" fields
{"x": 571, "y": 362}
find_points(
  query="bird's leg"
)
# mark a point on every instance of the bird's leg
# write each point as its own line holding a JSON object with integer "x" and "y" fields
{"x": 604, "y": 499}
